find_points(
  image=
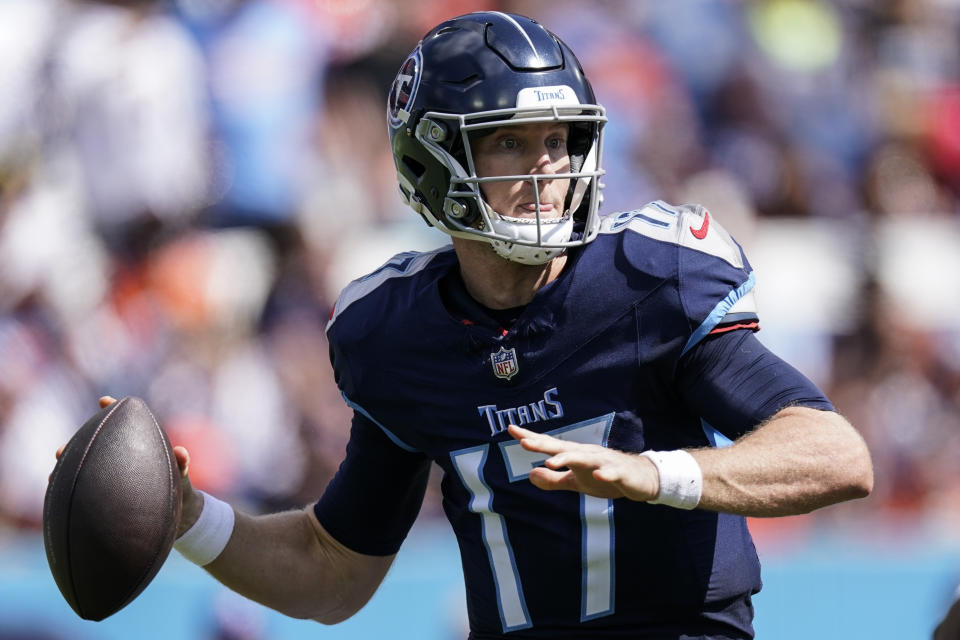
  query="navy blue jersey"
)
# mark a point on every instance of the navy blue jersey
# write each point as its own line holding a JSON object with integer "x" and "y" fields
{"x": 643, "y": 342}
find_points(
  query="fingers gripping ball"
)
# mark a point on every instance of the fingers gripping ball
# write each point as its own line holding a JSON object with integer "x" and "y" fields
{"x": 111, "y": 510}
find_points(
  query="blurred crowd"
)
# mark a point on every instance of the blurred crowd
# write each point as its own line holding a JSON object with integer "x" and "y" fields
{"x": 185, "y": 186}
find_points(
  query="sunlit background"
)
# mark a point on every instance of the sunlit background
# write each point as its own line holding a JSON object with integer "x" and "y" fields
{"x": 186, "y": 185}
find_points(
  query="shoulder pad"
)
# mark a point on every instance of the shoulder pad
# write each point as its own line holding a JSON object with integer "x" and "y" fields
{"x": 401, "y": 265}
{"x": 688, "y": 226}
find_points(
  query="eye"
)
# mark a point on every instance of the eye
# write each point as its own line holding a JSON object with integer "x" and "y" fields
{"x": 557, "y": 141}
{"x": 508, "y": 143}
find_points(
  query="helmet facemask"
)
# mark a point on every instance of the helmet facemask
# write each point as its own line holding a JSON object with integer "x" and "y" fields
{"x": 466, "y": 213}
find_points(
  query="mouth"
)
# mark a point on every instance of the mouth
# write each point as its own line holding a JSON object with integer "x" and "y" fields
{"x": 532, "y": 207}
{"x": 529, "y": 210}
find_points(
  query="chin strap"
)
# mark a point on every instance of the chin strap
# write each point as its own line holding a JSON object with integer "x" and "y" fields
{"x": 552, "y": 231}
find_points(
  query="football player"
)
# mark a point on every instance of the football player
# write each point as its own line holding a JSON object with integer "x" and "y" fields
{"x": 591, "y": 386}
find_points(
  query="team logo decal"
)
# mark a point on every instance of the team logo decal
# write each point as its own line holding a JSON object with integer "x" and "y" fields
{"x": 404, "y": 89}
{"x": 504, "y": 363}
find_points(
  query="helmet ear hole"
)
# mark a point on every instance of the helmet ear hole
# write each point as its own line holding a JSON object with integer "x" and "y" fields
{"x": 417, "y": 170}
{"x": 414, "y": 167}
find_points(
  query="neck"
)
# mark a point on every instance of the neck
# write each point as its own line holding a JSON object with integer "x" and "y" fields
{"x": 498, "y": 283}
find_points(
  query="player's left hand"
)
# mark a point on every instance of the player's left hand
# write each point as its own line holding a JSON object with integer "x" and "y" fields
{"x": 589, "y": 468}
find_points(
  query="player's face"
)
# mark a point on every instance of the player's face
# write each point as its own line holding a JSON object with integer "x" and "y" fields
{"x": 524, "y": 149}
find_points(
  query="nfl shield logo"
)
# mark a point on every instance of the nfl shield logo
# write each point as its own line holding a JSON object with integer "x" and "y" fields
{"x": 504, "y": 363}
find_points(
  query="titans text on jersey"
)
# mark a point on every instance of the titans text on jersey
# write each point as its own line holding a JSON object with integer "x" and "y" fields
{"x": 646, "y": 336}
{"x": 546, "y": 408}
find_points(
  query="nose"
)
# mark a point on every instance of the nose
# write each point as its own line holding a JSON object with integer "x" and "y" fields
{"x": 545, "y": 161}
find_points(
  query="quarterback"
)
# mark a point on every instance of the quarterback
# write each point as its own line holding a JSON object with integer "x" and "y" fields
{"x": 591, "y": 386}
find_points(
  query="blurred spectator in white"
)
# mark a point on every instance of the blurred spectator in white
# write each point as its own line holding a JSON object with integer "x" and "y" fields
{"x": 133, "y": 83}
{"x": 113, "y": 90}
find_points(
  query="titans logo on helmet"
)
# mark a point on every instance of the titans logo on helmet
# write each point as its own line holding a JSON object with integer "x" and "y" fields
{"x": 404, "y": 89}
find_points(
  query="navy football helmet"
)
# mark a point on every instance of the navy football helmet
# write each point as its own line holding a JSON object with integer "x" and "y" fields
{"x": 469, "y": 76}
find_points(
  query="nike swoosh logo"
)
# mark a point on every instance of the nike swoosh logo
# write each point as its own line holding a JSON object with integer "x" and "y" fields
{"x": 701, "y": 233}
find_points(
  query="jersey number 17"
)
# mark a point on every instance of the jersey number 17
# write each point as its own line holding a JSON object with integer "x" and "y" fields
{"x": 596, "y": 519}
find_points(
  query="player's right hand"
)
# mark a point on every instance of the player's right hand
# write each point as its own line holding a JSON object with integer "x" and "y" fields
{"x": 589, "y": 468}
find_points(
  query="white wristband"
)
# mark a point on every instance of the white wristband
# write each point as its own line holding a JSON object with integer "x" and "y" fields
{"x": 681, "y": 480}
{"x": 206, "y": 539}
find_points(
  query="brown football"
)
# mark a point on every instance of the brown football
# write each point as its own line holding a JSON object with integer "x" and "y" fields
{"x": 112, "y": 508}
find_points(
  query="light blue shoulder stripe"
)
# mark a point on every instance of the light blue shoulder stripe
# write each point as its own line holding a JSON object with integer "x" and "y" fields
{"x": 716, "y": 438}
{"x": 397, "y": 441}
{"x": 719, "y": 312}
{"x": 666, "y": 208}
